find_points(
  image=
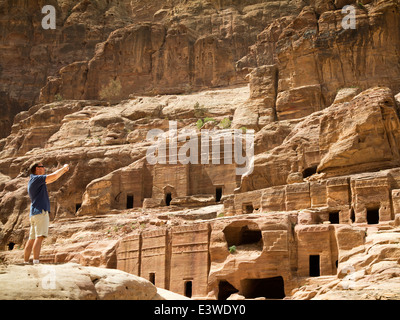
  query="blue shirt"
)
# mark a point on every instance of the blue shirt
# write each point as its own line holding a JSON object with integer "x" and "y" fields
{"x": 37, "y": 190}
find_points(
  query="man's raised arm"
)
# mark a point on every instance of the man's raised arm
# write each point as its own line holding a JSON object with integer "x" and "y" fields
{"x": 57, "y": 174}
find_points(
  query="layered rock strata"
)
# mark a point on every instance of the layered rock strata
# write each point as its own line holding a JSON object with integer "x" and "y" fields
{"x": 317, "y": 214}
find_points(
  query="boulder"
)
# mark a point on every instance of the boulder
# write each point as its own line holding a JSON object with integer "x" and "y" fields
{"x": 72, "y": 282}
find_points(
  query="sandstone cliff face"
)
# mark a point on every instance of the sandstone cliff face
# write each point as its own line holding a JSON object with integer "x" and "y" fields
{"x": 186, "y": 47}
{"x": 33, "y": 57}
{"x": 316, "y": 57}
{"x": 356, "y": 136}
{"x": 323, "y": 103}
{"x": 368, "y": 272}
{"x": 106, "y": 149}
{"x": 30, "y": 54}
{"x": 202, "y": 40}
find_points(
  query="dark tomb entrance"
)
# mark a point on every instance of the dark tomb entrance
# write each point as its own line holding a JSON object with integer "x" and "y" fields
{"x": 373, "y": 216}
{"x": 334, "y": 217}
{"x": 270, "y": 288}
{"x": 225, "y": 289}
{"x": 168, "y": 198}
{"x": 129, "y": 201}
{"x": 188, "y": 289}
{"x": 239, "y": 235}
{"x": 314, "y": 266}
{"x": 309, "y": 171}
{"x": 218, "y": 194}
{"x": 152, "y": 277}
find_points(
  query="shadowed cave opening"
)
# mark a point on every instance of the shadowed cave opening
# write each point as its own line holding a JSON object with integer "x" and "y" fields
{"x": 225, "y": 289}
{"x": 237, "y": 235}
{"x": 270, "y": 288}
{"x": 308, "y": 172}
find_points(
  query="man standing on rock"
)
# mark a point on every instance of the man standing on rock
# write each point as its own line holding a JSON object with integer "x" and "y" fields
{"x": 40, "y": 208}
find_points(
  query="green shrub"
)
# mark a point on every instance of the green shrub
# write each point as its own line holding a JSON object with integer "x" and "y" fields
{"x": 199, "y": 124}
{"x": 225, "y": 123}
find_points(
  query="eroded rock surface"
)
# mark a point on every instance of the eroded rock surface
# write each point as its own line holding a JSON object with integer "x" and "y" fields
{"x": 317, "y": 216}
{"x": 73, "y": 282}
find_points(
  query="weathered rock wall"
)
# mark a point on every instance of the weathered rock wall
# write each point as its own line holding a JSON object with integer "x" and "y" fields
{"x": 350, "y": 137}
{"x": 268, "y": 255}
{"x": 204, "y": 33}
{"x": 315, "y": 56}
{"x": 30, "y": 54}
{"x": 326, "y": 147}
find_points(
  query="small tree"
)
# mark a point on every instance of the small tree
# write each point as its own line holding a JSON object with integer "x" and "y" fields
{"x": 232, "y": 249}
{"x": 225, "y": 123}
{"x": 199, "y": 124}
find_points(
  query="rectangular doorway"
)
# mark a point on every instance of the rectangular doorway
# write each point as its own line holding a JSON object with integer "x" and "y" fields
{"x": 314, "y": 266}
{"x": 129, "y": 201}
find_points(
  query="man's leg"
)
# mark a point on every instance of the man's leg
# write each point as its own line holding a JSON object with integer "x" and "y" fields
{"x": 28, "y": 249}
{"x": 36, "y": 248}
{"x": 31, "y": 240}
{"x": 42, "y": 230}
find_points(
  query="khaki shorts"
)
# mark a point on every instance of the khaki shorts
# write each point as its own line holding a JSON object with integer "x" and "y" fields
{"x": 39, "y": 225}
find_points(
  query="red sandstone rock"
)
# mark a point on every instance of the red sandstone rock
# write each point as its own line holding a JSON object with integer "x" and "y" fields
{"x": 322, "y": 198}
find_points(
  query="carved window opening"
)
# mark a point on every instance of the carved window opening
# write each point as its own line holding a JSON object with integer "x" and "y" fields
{"x": 314, "y": 265}
{"x": 334, "y": 217}
{"x": 373, "y": 216}
{"x": 129, "y": 201}
{"x": 77, "y": 207}
{"x": 152, "y": 277}
{"x": 270, "y": 288}
{"x": 248, "y": 208}
{"x": 225, "y": 289}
